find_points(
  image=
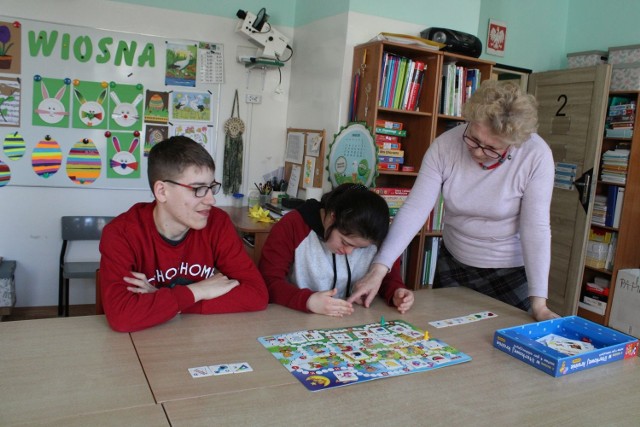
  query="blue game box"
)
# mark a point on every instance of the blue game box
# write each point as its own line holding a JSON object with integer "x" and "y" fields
{"x": 527, "y": 343}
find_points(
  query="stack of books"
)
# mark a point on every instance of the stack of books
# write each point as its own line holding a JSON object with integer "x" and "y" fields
{"x": 601, "y": 249}
{"x": 620, "y": 118}
{"x": 595, "y": 295}
{"x": 401, "y": 82}
{"x": 390, "y": 153}
{"x": 394, "y": 196}
{"x": 436, "y": 217}
{"x": 432, "y": 247}
{"x": 599, "y": 215}
{"x": 458, "y": 84}
{"x": 614, "y": 166}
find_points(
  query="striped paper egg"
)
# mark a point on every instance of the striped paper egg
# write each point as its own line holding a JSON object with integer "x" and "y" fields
{"x": 5, "y": 174}
{"x": 14, "y": 146}
{"x": 156, "y": 103}
{"x": 46, "y": 158}
{"x": 84, "y": 163}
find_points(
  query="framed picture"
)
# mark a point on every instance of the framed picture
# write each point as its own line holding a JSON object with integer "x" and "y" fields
{"x": 496, "y": 37}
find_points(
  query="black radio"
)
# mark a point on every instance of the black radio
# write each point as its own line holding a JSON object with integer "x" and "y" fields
{"x": 454, "y": 41}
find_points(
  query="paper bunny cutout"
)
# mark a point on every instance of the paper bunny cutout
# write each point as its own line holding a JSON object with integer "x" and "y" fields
{"x": 51, "y": 110}
{"x": 125, "y": 114}
{"x": 124, "y": 162}
{"x": 91, "y": 112}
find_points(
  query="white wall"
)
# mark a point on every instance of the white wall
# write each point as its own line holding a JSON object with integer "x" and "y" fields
{"x": 316, "y": 83}
{"x": 30, "y": 216}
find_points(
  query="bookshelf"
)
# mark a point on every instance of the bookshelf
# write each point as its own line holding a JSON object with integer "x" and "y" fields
{"x": 422, "y": 125}
{"x": 625, "y": 250}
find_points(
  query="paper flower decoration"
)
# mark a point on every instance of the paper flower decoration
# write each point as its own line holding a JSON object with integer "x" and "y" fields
{"x": 259, "y": 214}
{"x": 5, "y": 36}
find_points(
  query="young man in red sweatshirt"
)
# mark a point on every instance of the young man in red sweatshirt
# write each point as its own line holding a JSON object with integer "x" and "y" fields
{"x": 177, "y": 254}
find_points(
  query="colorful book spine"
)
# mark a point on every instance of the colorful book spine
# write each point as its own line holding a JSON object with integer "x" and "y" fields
{"x": 387, "y": 138}
{"x": 416, "y": 86}
{"x": 391, "y": 153}
{"x": 391, "y": 159}
{"x": 395, "y": 132}
{"x": 388, "y": 166}
{"x": 388, "y": 124}
{"x": 391, "y": 191}
{"x": 389, "y": 145}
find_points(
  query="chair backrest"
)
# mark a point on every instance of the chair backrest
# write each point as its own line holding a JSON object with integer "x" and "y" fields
{"x": 83, "y": 227}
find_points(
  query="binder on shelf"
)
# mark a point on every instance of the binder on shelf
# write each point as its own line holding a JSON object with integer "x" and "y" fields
{"x": 612, "y": 197}
{"x": 618, "y": 207}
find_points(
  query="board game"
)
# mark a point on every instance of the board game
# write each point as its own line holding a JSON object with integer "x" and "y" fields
{"x": 565, "y": 345}
{"x": 325, "y": 358}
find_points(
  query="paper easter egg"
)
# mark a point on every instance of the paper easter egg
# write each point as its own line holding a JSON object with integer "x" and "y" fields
{"x": 46, "y": 158}
{"x": 14, "y": 146}
{"x": 5, "y": 174}
{"x": 84, "y": 163}
{"x": 156, "y": 103}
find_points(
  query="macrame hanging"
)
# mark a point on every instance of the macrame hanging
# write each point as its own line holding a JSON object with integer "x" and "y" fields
{"x": 232, "y": 168}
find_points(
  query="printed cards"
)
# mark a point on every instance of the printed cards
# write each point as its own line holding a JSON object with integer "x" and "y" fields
{"x": 223, "y": 369}
{"x": 463, "y": 319}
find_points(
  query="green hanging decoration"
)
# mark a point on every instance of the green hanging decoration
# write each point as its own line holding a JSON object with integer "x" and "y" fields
{"x": 232, "y": 168}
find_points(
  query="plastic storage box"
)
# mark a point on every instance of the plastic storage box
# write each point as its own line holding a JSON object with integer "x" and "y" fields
{"x": 624, "y": 54}
{"x": 625, "y": 77}
{"x": 521, "y": 343}
{"x": 587, "y": 58}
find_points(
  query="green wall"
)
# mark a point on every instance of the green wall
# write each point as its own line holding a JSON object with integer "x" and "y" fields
{"x": 536, "y": 32}
{"x": 539, "y": 32}
{"x": 599, "y": 24}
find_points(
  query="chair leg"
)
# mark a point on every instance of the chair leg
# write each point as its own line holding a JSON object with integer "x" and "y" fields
{"x": 60, "y": 295}
{"x": 66, "y": 298}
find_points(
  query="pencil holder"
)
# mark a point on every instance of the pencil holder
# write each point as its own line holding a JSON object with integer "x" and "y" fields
{"x": 254, "y": 198}
{"x": 265, "y": 198}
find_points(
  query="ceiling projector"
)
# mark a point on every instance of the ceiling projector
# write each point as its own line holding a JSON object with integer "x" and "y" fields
{"x": 270, "y": 42}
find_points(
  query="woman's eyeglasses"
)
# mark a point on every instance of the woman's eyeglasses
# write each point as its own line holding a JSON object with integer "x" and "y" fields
{"x": 199, "y": 191}
{"x": 474, "y": 143}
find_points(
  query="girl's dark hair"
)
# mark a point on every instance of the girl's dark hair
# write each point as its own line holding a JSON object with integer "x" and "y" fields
{"x": 358, "y": 212}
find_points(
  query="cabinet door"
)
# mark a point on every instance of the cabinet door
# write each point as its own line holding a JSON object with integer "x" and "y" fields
{"x": 572, "y": 109}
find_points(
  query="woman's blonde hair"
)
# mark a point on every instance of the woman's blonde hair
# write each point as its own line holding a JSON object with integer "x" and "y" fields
{"x": 511, "y": 114}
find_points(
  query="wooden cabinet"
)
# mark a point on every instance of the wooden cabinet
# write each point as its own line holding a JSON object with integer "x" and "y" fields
{"x": 421, "y": 126}
{"x": 627, "y": 231}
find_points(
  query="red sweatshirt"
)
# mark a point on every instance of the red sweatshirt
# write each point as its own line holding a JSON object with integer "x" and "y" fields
{"x": 295, "y": 262}
{"x": 131, "y": 242}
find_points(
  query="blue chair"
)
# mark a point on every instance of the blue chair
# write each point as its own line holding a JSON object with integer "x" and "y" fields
{"x": 76, "y": 228}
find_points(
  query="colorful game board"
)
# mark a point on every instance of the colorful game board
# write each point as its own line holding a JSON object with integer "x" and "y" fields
{"x": 326, "y": 358}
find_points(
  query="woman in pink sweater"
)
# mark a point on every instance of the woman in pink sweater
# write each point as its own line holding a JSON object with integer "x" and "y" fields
{"x": 496, "y": 176}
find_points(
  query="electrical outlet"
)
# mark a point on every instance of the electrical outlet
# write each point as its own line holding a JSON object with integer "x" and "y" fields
{"x": 251, "y": 98}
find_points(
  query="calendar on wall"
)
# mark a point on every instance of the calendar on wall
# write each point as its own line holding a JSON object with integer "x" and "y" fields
{"x": 353, "y": 156}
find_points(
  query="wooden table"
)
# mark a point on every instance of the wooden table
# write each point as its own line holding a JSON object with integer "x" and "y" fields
{"x": 248, "y": 226}
{"x": 71, "y": 371}
{"x": 493, "y": 389}
{"x": 76, "y": 371}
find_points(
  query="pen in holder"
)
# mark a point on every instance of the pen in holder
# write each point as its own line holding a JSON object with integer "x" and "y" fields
{"x": 265, "y": 192}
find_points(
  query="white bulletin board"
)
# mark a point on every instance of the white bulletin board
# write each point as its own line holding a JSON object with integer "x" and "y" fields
{"x": 81, "y": 107}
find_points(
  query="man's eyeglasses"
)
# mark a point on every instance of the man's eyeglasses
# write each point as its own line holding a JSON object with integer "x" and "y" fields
{"x": 199, "y": 191}
{"x": 474, "y": 143}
